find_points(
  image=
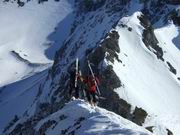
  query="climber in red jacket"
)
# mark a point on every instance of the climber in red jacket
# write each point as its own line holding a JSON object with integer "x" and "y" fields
{"x": 91, "y": 89}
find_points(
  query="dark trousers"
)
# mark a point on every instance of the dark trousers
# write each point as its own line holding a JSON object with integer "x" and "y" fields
{"x": 73, "y": 89}
{"x": 91, "y": 96}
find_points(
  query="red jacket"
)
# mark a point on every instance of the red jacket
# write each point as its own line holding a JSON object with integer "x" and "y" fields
{"x": 89, "y": 80}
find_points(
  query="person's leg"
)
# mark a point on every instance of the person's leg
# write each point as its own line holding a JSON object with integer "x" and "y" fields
{"x": 94, "y": 98}
{"x": 70, "y": 90}
{"x": 77, "y": 92}
{"x": 88, "y": 96}
{"x": 91, "y": 98}
{"x": 81, "y": 91}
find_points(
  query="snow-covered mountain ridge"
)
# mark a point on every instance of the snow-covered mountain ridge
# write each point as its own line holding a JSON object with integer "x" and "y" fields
{"x": 86, "y": 121}
{"x": 138, "y": 64}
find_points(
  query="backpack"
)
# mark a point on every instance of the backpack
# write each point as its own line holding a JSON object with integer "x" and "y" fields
{"x": 91, "y": 83}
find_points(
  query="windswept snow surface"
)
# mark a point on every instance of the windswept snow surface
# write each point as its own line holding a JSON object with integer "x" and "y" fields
{"x": 82, "y": 119}
{"x": 34, "y": 31}
{"x": 18, "y": 97}
{"x": 148, "y": 83}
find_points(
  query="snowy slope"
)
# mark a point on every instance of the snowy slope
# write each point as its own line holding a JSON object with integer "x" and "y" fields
{"x": 17, "y": 98}
{"x": 30, "y": 36}
{"x": 148, "y": 83}
{"x": 78, "y": 117}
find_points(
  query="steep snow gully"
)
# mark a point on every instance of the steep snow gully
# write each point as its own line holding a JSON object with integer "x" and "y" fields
{"x": 133, "y": 46}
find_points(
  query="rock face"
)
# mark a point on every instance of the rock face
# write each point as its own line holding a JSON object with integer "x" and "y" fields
{"x": 149, "y": 38}
{"x": 171, "y": 68}
{"x": 22, "y": 3}
{"x": 175, "y": 17}
{"x": 109, "y": 49}
{"x": 175, "y": 2}
{"x": 156, "y": 10}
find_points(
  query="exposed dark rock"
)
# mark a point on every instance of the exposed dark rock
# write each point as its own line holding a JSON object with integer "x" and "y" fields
{"x": 90, "y": 5}
{"x": 149, "y": 37}
{"x": 61, "y": 89}
{"x": 116, "y": 6}
{"x": 174, "y": 2}
{"x": 110, "y": 78}
{"x": 45, "y": 110}
{"x": 20, "y": 3}
{"x": 156, "y": 10}
{"x": 39, "y": 92}
{"x": 64, "y": 131}
{"x": 174, "y": 16}
{"x": 129, "y": 28}
{"x": 14, "y": 120}
{"x": 62, "y": 117}
{"x": 41, "y": 1}
{"x": 46, "y": 125}
{"x": 97, "y": 56}
{"x": 26, "y": 61}
{"x": 125, "y": 26}
{"x": 79, "y": 121}
{"x": 150, "y": 129}
{"x": 110, "y": 81}
{"x": 22, "y": 129}
{"x": 111, "y": 46}
{"x": 178, "y": 78}
{"x": 113, "y": 42}
{"x": 139, "y": 116}
{"x": 169, "y": 132}
{"x": 171, "y": 68}
{"x": 71, "y": 129}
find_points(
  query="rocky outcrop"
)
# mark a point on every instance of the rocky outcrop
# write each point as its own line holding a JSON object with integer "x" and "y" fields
{"x": 45, "y": 126}
{"x": 11, "y": 123}
{"x": 109, "y": 49}
{"x": 71, "y": 129}
{"x": 139, "y": 116}
{"x": 149, "y": 37}
{"x": 26, "y": 61}
{"x": 91, "y": 5}
{"x": 174, "y": 2}
{"x": 169, "y": 132}
{"x": 22, "y": 3}
{"x": 174, "y": 15}
{"x": 160, "y": 10}
{"x": 171, "y": 68}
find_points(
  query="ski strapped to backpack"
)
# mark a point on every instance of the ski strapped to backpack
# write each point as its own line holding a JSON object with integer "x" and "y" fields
{"x": 89, "y": 65}
{"x": 76, "y": 77}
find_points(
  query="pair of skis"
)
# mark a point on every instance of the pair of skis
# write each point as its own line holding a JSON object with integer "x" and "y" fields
{"x": 94, "y": 78}
{"x": 92, "y": 73}
{"x": 77, "y": 74}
